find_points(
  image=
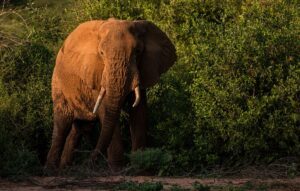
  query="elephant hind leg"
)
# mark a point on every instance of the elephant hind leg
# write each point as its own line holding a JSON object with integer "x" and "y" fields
{"x": 62, "y": 126}
{"x": 70, "y": 145}
{"x": 79, "y": 129}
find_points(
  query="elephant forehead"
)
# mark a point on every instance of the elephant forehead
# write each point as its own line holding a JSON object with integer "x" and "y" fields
{"x": 118, "y": 45}
{"x": 117, "y": 29}
{"x": 112, "y": 23}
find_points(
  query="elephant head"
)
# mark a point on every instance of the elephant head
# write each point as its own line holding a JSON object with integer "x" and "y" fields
{"x": 134, "y": 55}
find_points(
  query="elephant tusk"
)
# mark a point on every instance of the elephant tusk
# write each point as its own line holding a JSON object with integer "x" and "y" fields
{"x": 137, "y": 96}
{"x": 99, "y": 100}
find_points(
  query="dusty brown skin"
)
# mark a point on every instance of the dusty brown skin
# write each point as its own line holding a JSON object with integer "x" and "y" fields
{"x": 116, "y": 58}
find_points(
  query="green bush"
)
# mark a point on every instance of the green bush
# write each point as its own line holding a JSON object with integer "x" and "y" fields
{"x": 178, "y": 188}
{"x": 25, "y": 104}
{"x": 245, "y": 90}
{"x": 26, "y": 109}
{"x": 15, "y": 158}
{"x": 200, "y": 187}
{"x": 154, "y": 160}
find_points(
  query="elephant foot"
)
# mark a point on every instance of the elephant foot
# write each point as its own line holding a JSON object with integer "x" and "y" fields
{"x": 50, "y": 170}
{"x": 91, "y": 164}
{"x": 94, "y": 157}
{"x": 115, "y": 166}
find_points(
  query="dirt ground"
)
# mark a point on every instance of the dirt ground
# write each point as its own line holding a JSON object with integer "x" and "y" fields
{"x": 108, "y": 183}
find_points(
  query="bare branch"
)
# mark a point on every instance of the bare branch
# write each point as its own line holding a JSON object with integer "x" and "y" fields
{"x": 7, "y": 39}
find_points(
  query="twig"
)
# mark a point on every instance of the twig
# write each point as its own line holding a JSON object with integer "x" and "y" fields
{"x": 13, "y": 38}
{"x": 13, "y": 12}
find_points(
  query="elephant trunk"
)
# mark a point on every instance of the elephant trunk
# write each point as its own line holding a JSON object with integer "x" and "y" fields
{"x": 116, "y": 84}
{"x": 111, "y": 114}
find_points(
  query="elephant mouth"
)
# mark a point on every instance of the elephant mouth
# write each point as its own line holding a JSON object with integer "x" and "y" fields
{"x": 137, "y": 93}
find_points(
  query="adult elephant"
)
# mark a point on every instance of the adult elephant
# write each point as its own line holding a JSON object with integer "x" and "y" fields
{"x": 99, "y": 66}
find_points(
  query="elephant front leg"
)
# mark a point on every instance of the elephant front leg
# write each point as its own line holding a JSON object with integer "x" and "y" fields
{"x": 109, "y": 120}
{"x": 115, "y": 151}
{"x": 138, "y": 123}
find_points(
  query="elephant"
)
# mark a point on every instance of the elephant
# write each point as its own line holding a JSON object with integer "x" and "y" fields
{"x": 101, "y": 65}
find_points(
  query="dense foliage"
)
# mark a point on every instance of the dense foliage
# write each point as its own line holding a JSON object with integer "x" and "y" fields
{"x": 232, "y": 97}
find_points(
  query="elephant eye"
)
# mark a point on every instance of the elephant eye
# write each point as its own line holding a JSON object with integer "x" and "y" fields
{"x": 101, "y": 52}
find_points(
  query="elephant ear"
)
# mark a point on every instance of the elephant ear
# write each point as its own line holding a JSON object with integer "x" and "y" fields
{"x": 158, "y": 56}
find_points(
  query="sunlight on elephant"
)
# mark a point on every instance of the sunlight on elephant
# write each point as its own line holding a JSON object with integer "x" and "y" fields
{"x": 102, "y": 65}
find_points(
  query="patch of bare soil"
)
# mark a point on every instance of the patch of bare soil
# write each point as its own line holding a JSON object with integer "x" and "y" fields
{"x": 108, "y": 183}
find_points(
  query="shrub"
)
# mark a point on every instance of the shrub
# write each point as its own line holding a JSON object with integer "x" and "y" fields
{"x": 245, "y": 91}
{"x": 25, "y": 109}
{"x": 178, "y": 188}
{"x": 154, "y": 160}
{"x": 200, "y": 187}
